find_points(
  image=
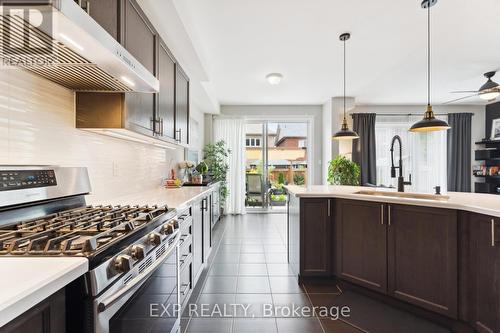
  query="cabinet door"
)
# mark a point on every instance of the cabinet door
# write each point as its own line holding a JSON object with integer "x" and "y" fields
{"x": 48, "y": 316}
{"x": 316, "y": 237}
{"x": 207, "y": 228}
{"x": 361, "y": 238}
{"x": 166, "y": 97}
{"x": 197, "y": 237}
{"x": 485, "y": 286}
{"x": 422, "y": 257}
{"x": 105, "y": 13}
{"x": 181, "y": 106}
{"x": 138, "y": 35}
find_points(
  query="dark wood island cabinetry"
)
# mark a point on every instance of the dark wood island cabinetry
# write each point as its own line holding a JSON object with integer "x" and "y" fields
{"x": 441, "y": 263}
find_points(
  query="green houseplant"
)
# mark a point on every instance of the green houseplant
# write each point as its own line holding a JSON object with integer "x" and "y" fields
{"x": 216, "y": 158}
{"x": 342, "y": 171}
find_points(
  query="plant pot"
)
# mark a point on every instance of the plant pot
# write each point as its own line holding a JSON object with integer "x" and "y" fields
{"x": 278, "y": 203}
{"x": 197, "y": 179}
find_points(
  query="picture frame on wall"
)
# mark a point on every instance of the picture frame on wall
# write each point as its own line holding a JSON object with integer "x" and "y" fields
{"x": 495, "y": 129}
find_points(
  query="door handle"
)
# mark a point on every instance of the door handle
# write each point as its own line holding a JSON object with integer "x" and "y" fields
{"x": 389, "y": 215}
{"x": 493, "y": 232}
{"x": 382, "y": 214}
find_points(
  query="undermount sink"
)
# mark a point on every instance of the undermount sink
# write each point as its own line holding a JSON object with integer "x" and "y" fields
{"x": 421, "y": 196}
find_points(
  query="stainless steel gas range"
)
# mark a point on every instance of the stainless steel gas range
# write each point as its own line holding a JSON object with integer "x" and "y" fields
{"x": 132, "y": 250}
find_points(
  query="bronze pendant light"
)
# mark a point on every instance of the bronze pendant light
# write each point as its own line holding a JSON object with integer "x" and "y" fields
{"x": 345, "y": 133}
{"x": 430, "y": 123}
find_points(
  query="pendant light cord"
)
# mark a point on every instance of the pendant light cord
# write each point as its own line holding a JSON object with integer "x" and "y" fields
{"x": 344, "y": 80}
{"x": 429, "y": 54}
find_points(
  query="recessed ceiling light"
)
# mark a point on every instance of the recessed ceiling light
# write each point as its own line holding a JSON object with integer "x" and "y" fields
{"x": 274, "y": 78}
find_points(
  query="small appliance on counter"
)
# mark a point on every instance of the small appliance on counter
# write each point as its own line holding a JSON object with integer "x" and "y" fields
{"x": 131, "y": 249}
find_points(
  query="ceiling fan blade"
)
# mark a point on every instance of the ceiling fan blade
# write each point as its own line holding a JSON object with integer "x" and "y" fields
{"x": 464, "y": 92}
{"x": 458, "y": 99}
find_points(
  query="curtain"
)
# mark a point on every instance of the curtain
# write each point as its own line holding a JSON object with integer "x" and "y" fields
{"x": 232, "y": 131}
{"x": 424, "y": 154}
{"x": 364, "y": 148}
{"x": 459, "y": 152}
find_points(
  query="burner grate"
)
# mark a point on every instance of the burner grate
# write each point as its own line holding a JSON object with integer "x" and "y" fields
{"x": 80, "y": 231}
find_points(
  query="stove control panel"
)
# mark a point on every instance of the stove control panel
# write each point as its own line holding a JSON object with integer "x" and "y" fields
{"x": 22, "y": 179}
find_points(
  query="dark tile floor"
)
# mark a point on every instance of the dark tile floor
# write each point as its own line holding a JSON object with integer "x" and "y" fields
{"x": 249, "y": 268}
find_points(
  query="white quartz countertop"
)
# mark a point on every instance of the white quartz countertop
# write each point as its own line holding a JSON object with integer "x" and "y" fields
{"x": 172, "y": 197}
{"x": 488, "y": 204}
{"x": 27, "y": 281}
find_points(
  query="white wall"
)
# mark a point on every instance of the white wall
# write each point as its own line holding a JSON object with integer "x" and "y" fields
{"x": 294, "y": 111}
{"x": 37, "y": 126}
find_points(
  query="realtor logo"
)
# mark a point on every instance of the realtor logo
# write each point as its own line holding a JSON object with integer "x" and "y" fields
{"x": 25, "y": 30}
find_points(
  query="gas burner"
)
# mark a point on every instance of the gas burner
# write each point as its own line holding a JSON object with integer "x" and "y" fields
{"x": 81, "y": 231}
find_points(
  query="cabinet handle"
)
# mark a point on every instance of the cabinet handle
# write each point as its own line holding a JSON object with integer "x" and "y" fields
{"x": 493, "y": 232}
{"x": 184, "y": 288}
{"x": 179, "y": 138}
{"x": 389, "y": 215}
{"x": 382, "y": 214}
{"x": 161, "y": 126}
{"x": 328, "y": 207}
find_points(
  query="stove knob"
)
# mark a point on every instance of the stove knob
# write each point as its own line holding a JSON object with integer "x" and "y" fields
{"x": 154, "y": 238}
{"x": 176, "y": 224}
{"x": 168, "y": 229}
{"x": 138, "y": 252}
{"x": 123, "y": 263}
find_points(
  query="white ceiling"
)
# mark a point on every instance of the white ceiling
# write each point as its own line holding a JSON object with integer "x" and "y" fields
{"x": 240, "y": 41}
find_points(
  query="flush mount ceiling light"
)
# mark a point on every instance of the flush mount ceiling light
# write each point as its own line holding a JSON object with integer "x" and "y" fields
{"x": 274, "y": 78}
{"x": 430, "y": 123}
{"x": 345, "y": 133}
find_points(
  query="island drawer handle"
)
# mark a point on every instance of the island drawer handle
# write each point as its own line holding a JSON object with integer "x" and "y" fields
{"x": 389, "y": 215}
{"x": 493, "y": 232}
{"x": 382, "y": 214}
{"x": 328, "y": 208}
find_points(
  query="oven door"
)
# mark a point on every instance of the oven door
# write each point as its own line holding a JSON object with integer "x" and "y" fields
{"x": 147, "y": 303}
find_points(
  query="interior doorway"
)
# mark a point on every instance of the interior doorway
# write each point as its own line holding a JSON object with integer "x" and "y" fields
{"x": 277, "y": 154}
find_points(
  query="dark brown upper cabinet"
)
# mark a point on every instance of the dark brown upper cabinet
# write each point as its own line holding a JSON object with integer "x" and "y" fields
{"x": 316, "y": 232}
{"x": 422, "y": 257}
{"x": 165, "y": 118}
{"x": 164, "y": 115}
{"x": 483, "y": 273}
{"x": 181, "y": 106}
{"x": 138, "y": 35}
{"x": 361, "y": 238}
{"x": 106, "y": 13}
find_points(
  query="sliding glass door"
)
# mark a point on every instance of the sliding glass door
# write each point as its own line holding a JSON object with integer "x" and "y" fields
{"x": 276, "y": 155}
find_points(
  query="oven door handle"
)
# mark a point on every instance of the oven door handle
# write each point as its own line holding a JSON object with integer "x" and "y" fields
{"x": 136, "y": 281}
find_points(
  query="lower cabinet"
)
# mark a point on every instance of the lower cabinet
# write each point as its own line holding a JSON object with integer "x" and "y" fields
{"x": 361, "y": 239}
{"x": 197, "y": 240}
{"x": 484, "y": 273}
{"x": 47, "y": 316}
{"x": 407, "y": 252}
{"x": 207, "y": 227}
{"x": 316, "y": 231}
{"x": 422, "y": 257}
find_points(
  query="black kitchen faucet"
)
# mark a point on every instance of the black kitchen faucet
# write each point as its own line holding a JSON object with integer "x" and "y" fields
{"x": 401, "y": 180}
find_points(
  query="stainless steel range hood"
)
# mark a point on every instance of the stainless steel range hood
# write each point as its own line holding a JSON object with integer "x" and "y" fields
{"x": 62, "y": 43}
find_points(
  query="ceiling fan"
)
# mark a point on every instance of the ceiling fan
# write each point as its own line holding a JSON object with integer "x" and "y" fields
{"x": 488, "y": 91}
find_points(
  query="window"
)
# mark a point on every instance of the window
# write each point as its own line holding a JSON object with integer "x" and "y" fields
{"x": 424, "y": 154}
{"x": 252, "y": 142}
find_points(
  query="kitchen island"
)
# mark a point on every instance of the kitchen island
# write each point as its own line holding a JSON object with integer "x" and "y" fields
{"x": 434, "y": 254}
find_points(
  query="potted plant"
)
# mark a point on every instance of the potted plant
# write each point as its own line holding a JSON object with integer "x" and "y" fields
{"x": 342, "y": 171}
{"x": 201, "y": 169}
{"x": 216, "y": 158}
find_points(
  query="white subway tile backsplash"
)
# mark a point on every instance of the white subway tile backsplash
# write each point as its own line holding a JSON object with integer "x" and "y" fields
{"x": 37, "y": 126}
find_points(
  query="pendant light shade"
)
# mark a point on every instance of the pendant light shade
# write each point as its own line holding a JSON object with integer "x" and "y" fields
{"x": 430, "y": 123}
{"x": 345, "y": 133}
